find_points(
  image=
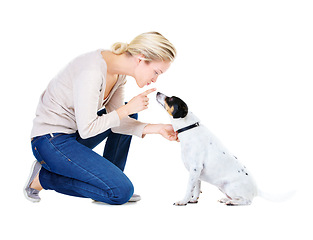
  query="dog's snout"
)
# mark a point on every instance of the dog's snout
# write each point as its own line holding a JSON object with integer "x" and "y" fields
{"x": 159, "y": 94}
{"x": 160, "y": 97}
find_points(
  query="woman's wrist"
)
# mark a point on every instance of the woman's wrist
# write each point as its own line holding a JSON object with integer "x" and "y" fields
{"x": 122, "y": 112}
{"x": 165, "y": 130}
{"x": 152, "y": 129}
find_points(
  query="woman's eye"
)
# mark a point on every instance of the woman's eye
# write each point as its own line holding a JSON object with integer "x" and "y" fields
{"x": 156, "y": 73}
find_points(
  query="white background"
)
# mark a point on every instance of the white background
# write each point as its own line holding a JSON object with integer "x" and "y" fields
{"x": 243, "y": 67}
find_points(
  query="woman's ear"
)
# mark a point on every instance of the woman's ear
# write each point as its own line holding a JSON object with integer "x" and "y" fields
{"x": 140, "y": 57}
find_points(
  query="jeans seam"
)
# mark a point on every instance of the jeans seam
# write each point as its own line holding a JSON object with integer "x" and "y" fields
{"x": 35, "y": 140}
{"x": 94, "y": 177}
{"x": 81, "y": 167}
{"x": 57, "y": 149}
{"x": 88, "y": 190}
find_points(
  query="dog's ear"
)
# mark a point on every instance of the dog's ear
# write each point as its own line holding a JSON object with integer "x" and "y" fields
{"x": 180, "y": 111}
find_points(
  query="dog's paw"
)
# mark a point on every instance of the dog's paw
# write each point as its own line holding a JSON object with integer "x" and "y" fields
{"x": 227, "y": 202}
{"x": 224, "y": 200}
{"x": 194, "y": 200}
{"x": 180, "y": 203}
{"x": 231, "y": 203}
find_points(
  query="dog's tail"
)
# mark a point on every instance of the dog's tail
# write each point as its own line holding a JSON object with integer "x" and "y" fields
{"x": 277, "y": 197}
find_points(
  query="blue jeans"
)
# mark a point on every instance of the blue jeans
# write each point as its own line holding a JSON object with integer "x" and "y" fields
{"x": 71, "y": 167}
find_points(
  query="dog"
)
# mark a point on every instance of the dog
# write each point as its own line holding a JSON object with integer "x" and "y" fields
{"x": 207, "y": 159}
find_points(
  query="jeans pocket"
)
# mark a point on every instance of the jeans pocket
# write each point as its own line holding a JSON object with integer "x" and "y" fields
{"x": 40, "y": 159}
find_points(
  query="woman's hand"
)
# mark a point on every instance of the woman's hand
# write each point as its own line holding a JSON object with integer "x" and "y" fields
{"x": 165, "y": 130}
{"x": 135, "y": 105}
{"x": 168, "y": 132}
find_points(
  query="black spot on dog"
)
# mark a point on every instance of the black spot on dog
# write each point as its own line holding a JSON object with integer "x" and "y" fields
{"x": 195, "y": 169}
{"x": 223, "y": 152}
{"x": 247, "y": 174}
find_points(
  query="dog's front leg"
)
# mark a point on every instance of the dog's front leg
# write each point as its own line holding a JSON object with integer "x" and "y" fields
{"x": 193, "y": 181}
{"x": 196, "y": 192}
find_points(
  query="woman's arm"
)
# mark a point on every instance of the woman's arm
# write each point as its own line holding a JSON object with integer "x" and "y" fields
{"x": 166, "y": 130}
{"x": 140, "y": 103}
{"x": 127, "y": 125}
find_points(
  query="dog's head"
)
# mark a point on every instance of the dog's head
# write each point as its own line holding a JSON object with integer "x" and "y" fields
{"x": 175, "y": 107}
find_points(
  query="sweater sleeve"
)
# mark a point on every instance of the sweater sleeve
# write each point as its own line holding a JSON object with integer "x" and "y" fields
{"x": 86, "y": 92}
{"x": 128, "y": 126}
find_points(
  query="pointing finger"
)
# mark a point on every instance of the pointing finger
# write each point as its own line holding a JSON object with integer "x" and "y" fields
{"x": 148, "y": 91}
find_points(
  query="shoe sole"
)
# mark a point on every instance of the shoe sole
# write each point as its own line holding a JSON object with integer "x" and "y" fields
{"x": 135, "y": 199}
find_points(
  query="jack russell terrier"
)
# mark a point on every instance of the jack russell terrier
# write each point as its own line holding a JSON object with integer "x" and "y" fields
{"x": 207, "y": 159}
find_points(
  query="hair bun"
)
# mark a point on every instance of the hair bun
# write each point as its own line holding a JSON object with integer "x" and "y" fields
{"x": 119, "y": 48}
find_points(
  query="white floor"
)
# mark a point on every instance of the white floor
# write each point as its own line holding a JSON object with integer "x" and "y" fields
{"x": 160, "y": 181}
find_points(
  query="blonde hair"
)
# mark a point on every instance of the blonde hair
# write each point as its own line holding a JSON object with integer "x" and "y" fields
{"x": 152, "y": 45}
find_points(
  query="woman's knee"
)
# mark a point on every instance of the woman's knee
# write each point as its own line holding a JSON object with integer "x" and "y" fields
{"x": 122, "y": 193}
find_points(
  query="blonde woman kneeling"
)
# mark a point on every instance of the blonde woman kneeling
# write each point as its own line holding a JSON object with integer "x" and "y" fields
{"x": 82, "y": 106}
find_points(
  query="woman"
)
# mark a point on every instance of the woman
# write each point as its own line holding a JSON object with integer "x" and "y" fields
{"x": 81, "y": 107}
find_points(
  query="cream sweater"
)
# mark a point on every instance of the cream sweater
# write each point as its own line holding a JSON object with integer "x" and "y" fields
{"x": 73, "y": 98}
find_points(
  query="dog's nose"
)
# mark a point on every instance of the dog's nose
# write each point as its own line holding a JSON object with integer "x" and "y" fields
{"x": 158, "y": 93}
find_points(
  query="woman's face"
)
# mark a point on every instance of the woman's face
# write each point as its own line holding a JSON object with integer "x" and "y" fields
{"x": 148, "y": 72}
